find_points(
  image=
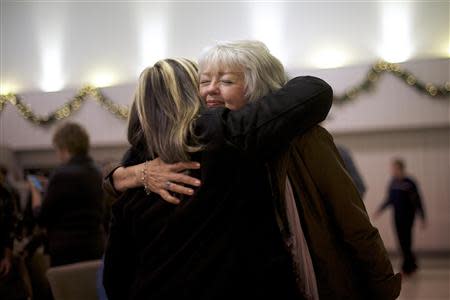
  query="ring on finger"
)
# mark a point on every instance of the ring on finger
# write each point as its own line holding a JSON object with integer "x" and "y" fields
{"x": 168, "y": 183}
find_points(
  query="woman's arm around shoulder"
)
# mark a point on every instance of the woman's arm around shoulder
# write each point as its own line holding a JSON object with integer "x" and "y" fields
{"x": 266, "y": 126}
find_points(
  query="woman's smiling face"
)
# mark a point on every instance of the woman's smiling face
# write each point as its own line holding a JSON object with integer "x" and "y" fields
{"x": 223, "y": 87}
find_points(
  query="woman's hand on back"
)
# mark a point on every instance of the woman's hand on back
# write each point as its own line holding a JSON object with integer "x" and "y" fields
{"x": 159, "y": 178}
{"x": 162, "y": 178}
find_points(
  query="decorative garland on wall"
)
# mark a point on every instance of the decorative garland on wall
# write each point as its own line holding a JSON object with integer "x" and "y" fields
{"x": 121, "y": 111}
{"x": 67, "y": 109}
{"x": 382, "y": 67}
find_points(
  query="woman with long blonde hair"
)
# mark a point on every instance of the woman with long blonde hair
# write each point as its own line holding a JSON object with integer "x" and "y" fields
{"x": 218, "y": 244}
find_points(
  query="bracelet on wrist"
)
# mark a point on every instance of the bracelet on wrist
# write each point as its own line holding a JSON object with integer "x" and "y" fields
{"x": 144, "y": 178}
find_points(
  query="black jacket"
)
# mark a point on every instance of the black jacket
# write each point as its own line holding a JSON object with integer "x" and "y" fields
{"x": 72, "y": 212}
{"x": 222, "y": 243}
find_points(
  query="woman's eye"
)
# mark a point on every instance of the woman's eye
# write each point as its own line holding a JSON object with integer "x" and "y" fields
{"x": 227, "y": 81}
{"x": 205, "y": 81}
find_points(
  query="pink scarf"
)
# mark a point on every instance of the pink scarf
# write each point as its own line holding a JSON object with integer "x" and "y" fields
{"x": 306, "y": 278}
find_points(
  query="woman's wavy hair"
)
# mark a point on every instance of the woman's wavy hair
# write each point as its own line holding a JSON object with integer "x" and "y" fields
{"x": 263, "y": 72}
{"x": 165, "y": 106}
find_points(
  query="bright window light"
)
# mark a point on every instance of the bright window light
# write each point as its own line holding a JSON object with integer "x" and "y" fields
{"x": 329, "y": 58}
{"x": 153, "y": 42}
{"x": 396, "y": 43}
{"x": 103, "y": 79}
{"x": 8, "y": 88}
{"x": 52, "y": 76}
{"x": 267, "y": 26}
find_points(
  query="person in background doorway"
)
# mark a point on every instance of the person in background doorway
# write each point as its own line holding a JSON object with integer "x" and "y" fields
{"x": 404, "y": 196}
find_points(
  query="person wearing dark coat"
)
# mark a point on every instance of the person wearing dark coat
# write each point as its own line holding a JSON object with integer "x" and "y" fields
{"x": 7, "y": 223}
{"x": 404, "y": 197}
{"x": 72, "y": 207}
{"x": 12, "y": 284}
{"x": 352, "y": 170}
{"x": 222, "y": 242}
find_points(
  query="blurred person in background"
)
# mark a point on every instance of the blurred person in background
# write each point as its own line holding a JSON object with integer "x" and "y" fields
{"x": 404, "y": 195}
{"x": 34, "y": 243}
{"x": 12, "y": 283}
{"x": 71, "y": 209}
{"x": 352, "y": 170}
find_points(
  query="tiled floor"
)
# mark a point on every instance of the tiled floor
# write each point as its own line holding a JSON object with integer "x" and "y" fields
{"x": 431, "y": 282}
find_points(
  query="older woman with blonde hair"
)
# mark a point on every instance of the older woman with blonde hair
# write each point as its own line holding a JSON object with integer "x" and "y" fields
{"x": 222, "y": 242}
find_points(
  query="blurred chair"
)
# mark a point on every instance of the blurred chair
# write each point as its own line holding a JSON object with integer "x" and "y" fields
{"x": 75, "y": 281}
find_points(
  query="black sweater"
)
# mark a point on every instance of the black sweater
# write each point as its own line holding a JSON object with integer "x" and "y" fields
{"x": 72, "y": 212}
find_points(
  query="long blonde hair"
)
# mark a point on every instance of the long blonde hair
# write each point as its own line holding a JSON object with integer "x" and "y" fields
{"x": 165, "y": 106}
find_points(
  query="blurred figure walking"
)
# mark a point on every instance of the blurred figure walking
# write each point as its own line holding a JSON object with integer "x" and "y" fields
{"x": 404, "y": 196}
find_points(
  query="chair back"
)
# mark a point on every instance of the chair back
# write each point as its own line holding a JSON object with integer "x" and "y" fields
{"x": 74, "y": 281}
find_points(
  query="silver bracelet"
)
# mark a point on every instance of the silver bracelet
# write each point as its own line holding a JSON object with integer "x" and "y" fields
{"x": 144, "y": 178}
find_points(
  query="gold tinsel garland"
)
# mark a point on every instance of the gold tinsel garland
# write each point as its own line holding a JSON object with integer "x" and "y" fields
{"x": 121, "y": 111}
{"x": 383, "y": 67}
{"x": 67, "y": 109}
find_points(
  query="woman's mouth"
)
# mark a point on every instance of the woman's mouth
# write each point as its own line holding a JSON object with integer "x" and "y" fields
{"x": 214, "y": 103}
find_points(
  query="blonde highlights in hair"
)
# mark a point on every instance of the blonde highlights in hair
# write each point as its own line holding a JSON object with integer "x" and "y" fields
{"x": 165, "y": 106}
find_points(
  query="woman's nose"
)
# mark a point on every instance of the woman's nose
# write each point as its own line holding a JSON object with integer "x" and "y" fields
{"x": 213, "y": 87}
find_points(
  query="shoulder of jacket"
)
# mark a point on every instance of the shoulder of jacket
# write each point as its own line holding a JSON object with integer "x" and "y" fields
{"x": 411, "y": 180}
{"x": 61, "y": 170}
{"x": 314, "y": 134}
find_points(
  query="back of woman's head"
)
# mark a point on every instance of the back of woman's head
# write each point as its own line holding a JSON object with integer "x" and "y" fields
{"x": 165, "y": 106}
{"x": 72, "y": 137}
{"x": 263, "y": 72}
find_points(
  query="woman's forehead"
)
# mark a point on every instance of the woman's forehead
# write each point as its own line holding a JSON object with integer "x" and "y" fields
{"x": 221, "y": 72}
{"x": 220, "y": 67}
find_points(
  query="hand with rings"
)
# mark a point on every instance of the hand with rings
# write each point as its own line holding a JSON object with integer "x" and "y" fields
{"x": 165, "y": 178}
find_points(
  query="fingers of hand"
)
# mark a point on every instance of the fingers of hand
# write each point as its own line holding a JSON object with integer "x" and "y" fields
{"x": 185, "y": 179}
{"x": 168, "y": 197}
{"x": 180, "y": 189}
{"x": 181, "y": 166}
